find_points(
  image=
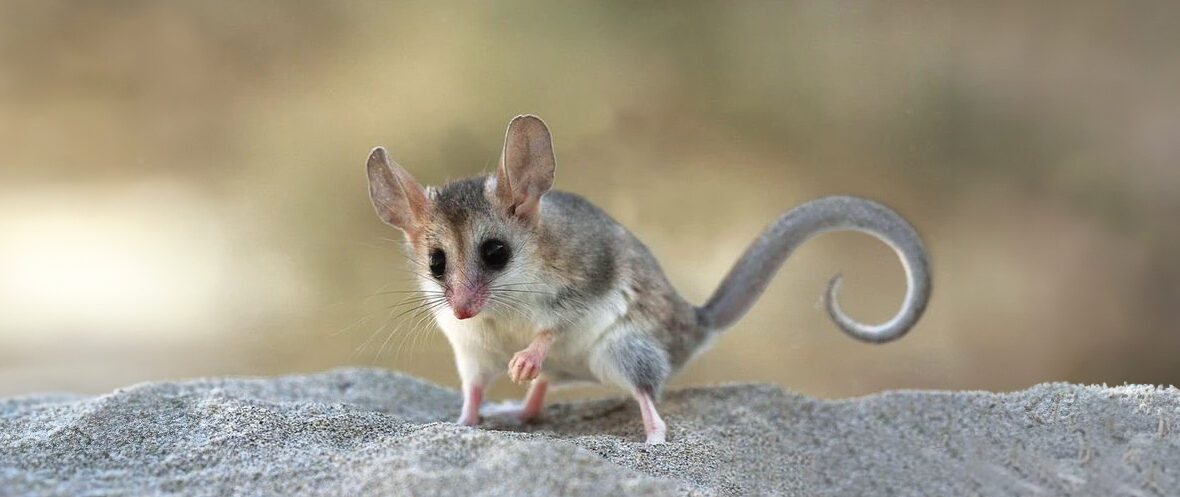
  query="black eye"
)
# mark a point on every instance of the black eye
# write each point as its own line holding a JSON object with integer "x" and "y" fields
{"x": 438, "y": 263}
{"x": 494, "y": 254}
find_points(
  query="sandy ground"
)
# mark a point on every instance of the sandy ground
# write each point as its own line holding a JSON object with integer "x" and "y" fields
{"x": 373, "y": 432}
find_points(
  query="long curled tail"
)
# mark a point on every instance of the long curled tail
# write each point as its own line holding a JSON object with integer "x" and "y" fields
{"x": 749, "y": 277}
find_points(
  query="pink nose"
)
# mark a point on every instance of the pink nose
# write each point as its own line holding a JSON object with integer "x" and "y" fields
{"x": 466, "y": 303}
{"x": 464, "y": 312}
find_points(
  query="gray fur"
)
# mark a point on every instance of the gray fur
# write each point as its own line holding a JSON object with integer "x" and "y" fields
{"x": 640, "y": 360}
{"x": 598, "y": 256}
{"x": 581, "y": 288}
{"x": 609, "y": 258}
{"x": 749, "y": 277}
{"x": 460, "y": 199}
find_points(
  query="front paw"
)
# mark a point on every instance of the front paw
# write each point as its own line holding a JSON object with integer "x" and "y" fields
{"x": 525, "y": 365}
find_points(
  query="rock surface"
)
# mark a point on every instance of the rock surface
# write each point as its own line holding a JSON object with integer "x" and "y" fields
{"x": 373, "y": 432}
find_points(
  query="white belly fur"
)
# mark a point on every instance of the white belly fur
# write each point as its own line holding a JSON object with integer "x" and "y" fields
{"x": 489, "y": 339}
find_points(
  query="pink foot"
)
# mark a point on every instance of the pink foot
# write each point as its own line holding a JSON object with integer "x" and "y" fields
{"x": 472, "y": 397}
{"x": 657, "y": 436}
{"x": 652, "y": 424}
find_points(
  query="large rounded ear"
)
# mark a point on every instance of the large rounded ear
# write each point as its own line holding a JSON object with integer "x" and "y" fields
{"x": 526, "y": 167}
{"x": 399, "y": 200}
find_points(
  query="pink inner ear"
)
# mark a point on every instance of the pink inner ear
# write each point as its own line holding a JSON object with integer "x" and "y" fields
{"x": 522, "y": 188}
{"x": 526, "y": 165}
{"x": 504, "y": 190}
{"x": 527, "y": 207}
{"x": 416, "y": 198}
{"x": 397, "y": 196}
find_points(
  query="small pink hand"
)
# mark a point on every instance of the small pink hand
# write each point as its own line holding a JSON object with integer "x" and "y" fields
{"x": 526, "y": 364}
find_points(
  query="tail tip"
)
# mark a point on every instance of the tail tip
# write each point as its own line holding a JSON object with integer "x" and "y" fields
{"x": 834, "y": 288}
{"x": 865, "y": 333}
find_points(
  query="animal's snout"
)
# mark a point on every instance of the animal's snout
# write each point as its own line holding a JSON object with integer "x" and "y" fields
{"x": 467, "y": 303}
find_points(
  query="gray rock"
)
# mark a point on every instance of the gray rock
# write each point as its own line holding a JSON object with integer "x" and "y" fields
{"x": 373, "y": 432}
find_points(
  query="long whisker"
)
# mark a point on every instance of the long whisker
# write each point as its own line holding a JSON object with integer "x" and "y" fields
{"x": 517, "y": 284}
{"x": 399, "y": 326}
{"x": 506, "y": 306}
{"x": 511, "y": 298}
{"x": 578, "y": 303}
{"x": 408, "y": 296}
{"x": 369, "y": 315}
{"x": 420, "y": 325}
{"x": 427, "y": 307}
{"x": 373, "y": 335}
{"x": 419, "y": 292}
{"x": 391, "y": 318}
{"x": 519, "y": 307}
{"x": 414, "y": 299}
{"x": 360, "y": 320}
{"x": 522, "y": 291}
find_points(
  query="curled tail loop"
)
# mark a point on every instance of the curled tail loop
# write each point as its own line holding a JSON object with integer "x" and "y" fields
{"x": 758, "y": 264}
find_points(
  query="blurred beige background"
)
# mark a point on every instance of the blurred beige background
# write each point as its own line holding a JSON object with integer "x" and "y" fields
{"x": 182, "y": 188}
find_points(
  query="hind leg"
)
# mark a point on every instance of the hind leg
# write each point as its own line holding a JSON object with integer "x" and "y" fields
{"x": 635, "y": 362}
{"x": 534, "y": 401}
{"x": 653, "y": 425}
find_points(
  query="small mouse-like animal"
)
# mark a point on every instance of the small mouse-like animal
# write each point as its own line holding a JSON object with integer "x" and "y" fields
{"x": 545, "y": 286}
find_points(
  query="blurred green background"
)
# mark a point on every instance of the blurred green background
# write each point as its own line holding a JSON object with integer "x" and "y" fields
{"x": 182, "y": 189}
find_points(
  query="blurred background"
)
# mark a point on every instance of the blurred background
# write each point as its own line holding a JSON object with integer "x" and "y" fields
{"x": 182, "y": 188}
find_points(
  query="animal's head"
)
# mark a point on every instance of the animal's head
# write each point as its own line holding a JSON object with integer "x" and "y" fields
{"x": 473, "y": 240}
